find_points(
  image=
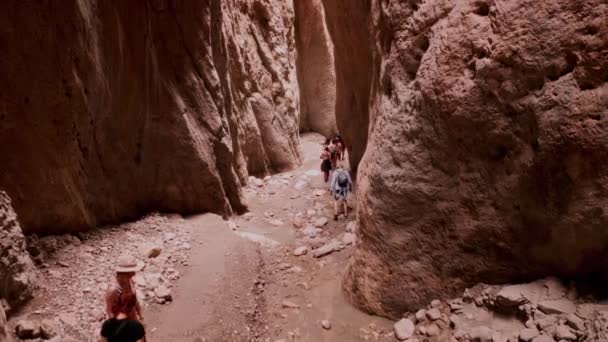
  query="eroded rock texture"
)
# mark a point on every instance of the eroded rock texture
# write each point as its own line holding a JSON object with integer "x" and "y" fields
{"x": 17, "y": 277}
{"x": 349, "y": 25}
{"x": 487, "y": 156}
{"x": 316, "y": 76}
{"x": 112, "y": 109}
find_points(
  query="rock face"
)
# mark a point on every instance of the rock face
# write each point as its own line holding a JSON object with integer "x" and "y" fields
{"x": 348, "y": 24}
{"x": 16, "y": 268}
{"x": 486, "y": 160}
{"x": 105, "y": 115}
{"x": 316, "y": 76}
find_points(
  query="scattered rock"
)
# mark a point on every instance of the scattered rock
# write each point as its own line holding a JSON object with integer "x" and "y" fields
{"x": 300, "y": 251}
{"x": 256, "y": 181}
{"x": 528, "y": 334}
{"x": 404, "y": 329}
{"x": 543, "y": 338}
{"x": 289, "y": 305}
{"x": 151, "y": 250}
{"x": 348, "y": 238}
{"x": 420, "y": 315}
{"x": 163, "y": 292}
{"x": 232, "y": 225}
{"x": 48, "y": 329}
{"x": 575, "y": 322}
{"x": 311, "y": 231}
{"x": 351, "y": 227}
{"x": 248, "y": 216}
{"x": 298, "y": 222}
{"x": 559, "y": 306}
{"x": 326, "y": 324}
{"x": 562, "y": 332}
{"x": 328, "y": 248}
{"x": 432, "y": 330}
{"x": 276, "y": 222}
{"x": 481, "y": 334}
{"x": 435, "y": 303}
{"x": 27, "y": 329}
{"x": 433, "y": 314}
{"x": 510, "y": 296}
{"x": 320, "y": 222}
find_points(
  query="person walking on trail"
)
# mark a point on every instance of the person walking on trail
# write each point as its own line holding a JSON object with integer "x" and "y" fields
{"x": 339, "y": 142}
{"x": 333, "y": 150}
{"x": 121, "y": 299}
{"x": 326, "y": 163}
{"x": 341, "y": 185}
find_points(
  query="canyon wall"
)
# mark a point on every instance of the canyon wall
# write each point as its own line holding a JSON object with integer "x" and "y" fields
{"x": 316, "y": 75}
{"x": 488, "y": 146}
{"x": 349, "y": 25}
{"x": 17, "y": 276}
{"x": 112, "y": 109}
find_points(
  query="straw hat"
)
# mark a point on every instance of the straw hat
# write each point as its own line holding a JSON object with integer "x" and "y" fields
{"x": 127, "y": 263}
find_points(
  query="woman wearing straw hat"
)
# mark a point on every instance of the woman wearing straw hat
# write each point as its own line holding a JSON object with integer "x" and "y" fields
{"x": 121, "y": 296}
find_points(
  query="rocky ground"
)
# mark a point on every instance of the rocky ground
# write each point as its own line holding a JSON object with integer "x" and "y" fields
{"x": 273, "y": 274}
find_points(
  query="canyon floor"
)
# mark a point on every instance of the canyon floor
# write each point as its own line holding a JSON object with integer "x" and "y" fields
{"x": 274, "y": 274}
{"x": 235, "y": 280}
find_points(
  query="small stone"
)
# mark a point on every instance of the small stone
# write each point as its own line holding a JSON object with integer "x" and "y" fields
{"x": 298, "y": 222}
{"x": 311, "y": 231}
{"x": 151, "y": 250}
{"x": 320, "y": 222}
{"x": 248, "y": 216}
{"x": 27, "y": 329}
{"x": 163, "y": 292}
{"x": 575, "y": 322}
{"x": 232, "y": 225}
{"x": 276, "y": 222}
{"x": 404, "y": 329}
{"x": 433, "y": 314}
{"x": 559, "y": 306}
{"x": 435, "y": 303}
{"x": 326, "y": 249}
{"x": 302, "y": 250}
{"x": 319, "y": 192}
{"x": 420, "y": 315}
{"x": 289, "y": 305}
{"x": 326, "y": 324}
{"x": 432, "y": 330}
{"x": 481, "y": 334}
{"x": 528, "y": 334}
{"x": 564, "y": 333}
{"x": 348, "y": 238}
{"x": 256, "y": 182}
{"x": 351, "y": 227}
{"x": 543, "y": 338}
{"x": 48, "y": 329}
{"x": 63, "y": 264}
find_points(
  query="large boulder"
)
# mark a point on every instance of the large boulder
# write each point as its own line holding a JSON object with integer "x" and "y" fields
{"x": 105, "y": 115}
{"x": 486, "y": 159}
{"x": 17, "y": 273}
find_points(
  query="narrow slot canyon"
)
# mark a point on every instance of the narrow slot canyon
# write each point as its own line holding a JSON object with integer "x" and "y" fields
{"x": 187, "y": 137}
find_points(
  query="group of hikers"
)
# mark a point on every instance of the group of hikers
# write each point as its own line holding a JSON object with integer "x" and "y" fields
{"x": 332, "y": 160}
{"x": 125, "y": 317}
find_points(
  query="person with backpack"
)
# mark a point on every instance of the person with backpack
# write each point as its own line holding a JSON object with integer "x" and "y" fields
{"x": 122, "y": 307}
{"x": 341, "y": 185}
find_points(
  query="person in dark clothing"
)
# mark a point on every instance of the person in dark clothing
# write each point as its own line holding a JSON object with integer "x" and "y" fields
{"x": 326, "y": 163}
{"x": 121, "y": 329}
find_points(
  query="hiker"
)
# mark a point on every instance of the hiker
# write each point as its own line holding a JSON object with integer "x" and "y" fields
{"x": 122, "y": 329}
{"x": 326, "y": 163}
{"x": 334, "y": 153}
{"x": 339, "y": 142}
{"x": 121, "y": 297}
{"x": 341, "y": 184}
